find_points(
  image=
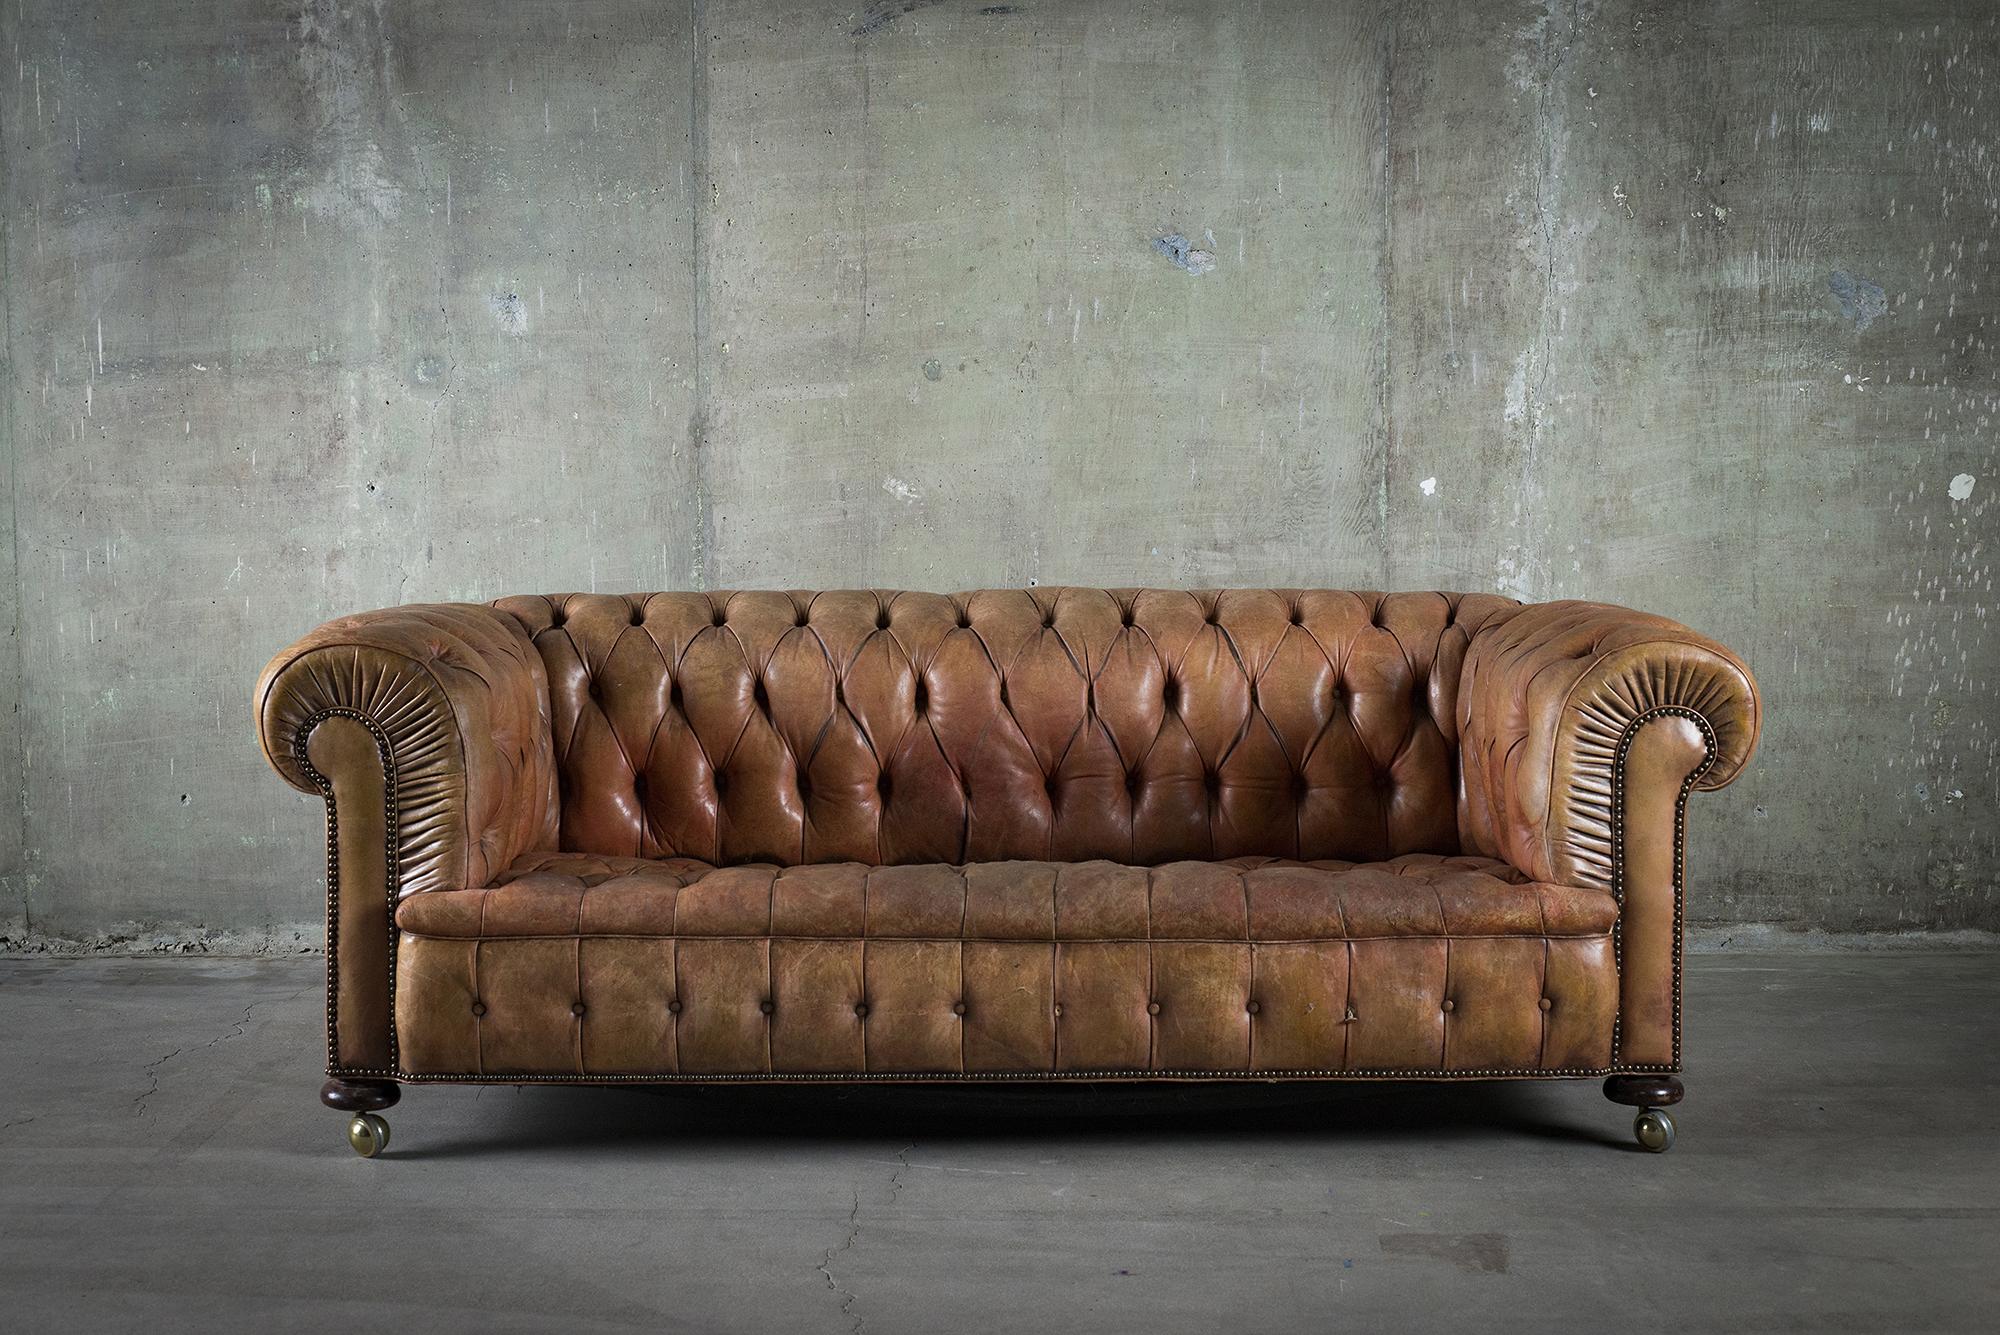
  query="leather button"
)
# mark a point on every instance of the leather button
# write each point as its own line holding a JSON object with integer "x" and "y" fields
{"x": 479, "y": 1008}
{"x": 1546, "y": 1003}
{"x": 1252, "y": 1007}
{"x": 577, "y": 1010}
{"x": 674, "y": 1006}
{"x": 861, "y": 1009}
{"x": 766, "y": 1007}
{"x": 958, "y": 1008}
{"x": 1450, "y": 1005}
{"x": 1152, "y": 1008}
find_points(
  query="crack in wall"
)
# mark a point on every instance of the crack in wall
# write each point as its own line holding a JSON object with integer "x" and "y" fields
{"x": 1386, "y": 279}
{"x": 702, "y": 541}
{"x": 1525, "y": 567}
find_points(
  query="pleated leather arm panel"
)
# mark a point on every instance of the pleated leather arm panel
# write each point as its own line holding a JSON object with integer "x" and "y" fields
{"x": 1549, "y": 696}
{"x": 426, "y": 729}
{"x": 1583, "y": 727}
{"x": 460, "y": 697}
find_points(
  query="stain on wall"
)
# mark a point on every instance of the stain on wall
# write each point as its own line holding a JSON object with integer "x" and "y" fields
{"x": 1860, "y": 300}
{"x": 315, "y": 307}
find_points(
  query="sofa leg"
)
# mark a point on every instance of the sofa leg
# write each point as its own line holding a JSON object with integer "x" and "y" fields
{"x": 367, "y": 1131}
{"x": 1652, "y": 1095}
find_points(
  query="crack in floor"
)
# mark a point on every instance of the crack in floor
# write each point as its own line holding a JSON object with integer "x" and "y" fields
{"x": 847, "y": 1296}
{"x": 240, "y": 1025}
{"x": 152, "y": 1071}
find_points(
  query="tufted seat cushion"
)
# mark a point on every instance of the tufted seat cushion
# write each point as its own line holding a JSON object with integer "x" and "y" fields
{"x": 584, "y": 966}
{"x": 1243, "y": 899}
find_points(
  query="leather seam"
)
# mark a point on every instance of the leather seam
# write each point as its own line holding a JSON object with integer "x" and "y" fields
{"x": 1569, "y": 699}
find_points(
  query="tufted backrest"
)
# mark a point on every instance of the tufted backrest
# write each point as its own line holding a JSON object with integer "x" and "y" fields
{"x": 1138, "y": 725}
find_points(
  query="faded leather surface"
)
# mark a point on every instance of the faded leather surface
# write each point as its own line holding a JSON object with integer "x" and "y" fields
{"x": 1244, "y": 899}
{"x": 457, "y": 695}
{"x": 358, "y": 920}
{"x": 1042, "y": 832}
{"x": 749, "y": 1006}
{"x": 460, "y": 695}
{"x": 1549, "y": 690}
{"x": 1550, "y": 696}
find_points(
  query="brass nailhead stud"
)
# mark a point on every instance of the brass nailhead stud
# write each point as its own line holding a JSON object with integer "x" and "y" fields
{"x": 1450, "y": 1005}
{"x": 1546, "y": 1003}
{"x": 1152, "y": 1008}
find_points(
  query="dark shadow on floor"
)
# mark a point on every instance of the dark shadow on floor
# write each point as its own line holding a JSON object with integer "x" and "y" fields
{"x": 522, "y": 1119}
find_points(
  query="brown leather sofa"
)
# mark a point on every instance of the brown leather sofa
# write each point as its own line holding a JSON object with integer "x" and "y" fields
{"x": 1261, "y": 834}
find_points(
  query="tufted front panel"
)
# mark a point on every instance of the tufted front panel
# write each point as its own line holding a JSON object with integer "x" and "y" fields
{"x": 586, "y": 967}
{"x": 1062, "y": 724}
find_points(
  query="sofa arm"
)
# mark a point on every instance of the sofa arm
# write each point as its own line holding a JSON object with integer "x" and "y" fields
{"x": 426, "y": 729}
{"x": 1582, "y": 729}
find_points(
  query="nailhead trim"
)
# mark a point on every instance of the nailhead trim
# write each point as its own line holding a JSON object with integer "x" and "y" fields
{"x": 949, "y": 1077}
{"x": 1680, "y": 852}
{"x": 390, "y": 814}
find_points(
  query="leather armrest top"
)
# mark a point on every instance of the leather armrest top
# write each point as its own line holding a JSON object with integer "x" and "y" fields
{"x": 459, "y": 698}
{"x": 1549, "y": 696}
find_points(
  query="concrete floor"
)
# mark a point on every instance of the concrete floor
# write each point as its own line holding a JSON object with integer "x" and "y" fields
{"x": 163, "y": 1164}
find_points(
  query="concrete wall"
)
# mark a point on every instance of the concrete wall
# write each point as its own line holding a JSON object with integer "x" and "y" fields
{"x": 1689, "y": 306}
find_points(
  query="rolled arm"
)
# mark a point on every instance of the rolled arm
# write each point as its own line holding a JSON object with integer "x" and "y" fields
{"x": 426, "y": 729}
{"x": 1582, "y": 728}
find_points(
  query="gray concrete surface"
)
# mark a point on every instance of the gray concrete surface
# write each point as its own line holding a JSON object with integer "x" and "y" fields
{"x": 165, "y": 1166}
{"x": 320, "y": 306}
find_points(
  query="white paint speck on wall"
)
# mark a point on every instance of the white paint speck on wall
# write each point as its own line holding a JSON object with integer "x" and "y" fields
{"x": 1961, "y": 487}
{"x": 902, "y": 491}
{"x": 1429, "y": 486}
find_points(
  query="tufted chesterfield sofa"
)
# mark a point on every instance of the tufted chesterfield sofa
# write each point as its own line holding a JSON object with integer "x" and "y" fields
{"x": 1008, "y": 835}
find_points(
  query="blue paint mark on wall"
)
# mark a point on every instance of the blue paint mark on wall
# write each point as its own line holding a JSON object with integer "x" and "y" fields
{"x": 1181, "y": 253}
{"x": 1860, "y": 300}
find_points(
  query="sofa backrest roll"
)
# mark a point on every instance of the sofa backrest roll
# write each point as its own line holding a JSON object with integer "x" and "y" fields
{"x": 1141, "y": 726}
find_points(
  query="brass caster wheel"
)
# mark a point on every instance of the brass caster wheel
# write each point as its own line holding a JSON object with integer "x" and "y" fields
{"x": 1653, "y": 1128}
{"x": 368, "y": 1134}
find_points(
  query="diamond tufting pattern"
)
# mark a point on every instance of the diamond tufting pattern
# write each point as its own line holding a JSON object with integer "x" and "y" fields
{"x": 1064, "y": 724}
